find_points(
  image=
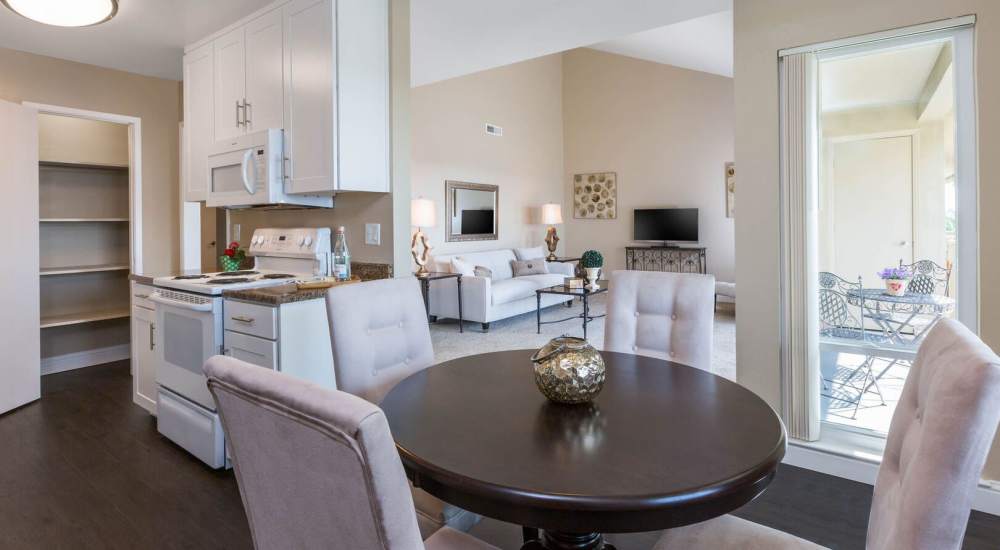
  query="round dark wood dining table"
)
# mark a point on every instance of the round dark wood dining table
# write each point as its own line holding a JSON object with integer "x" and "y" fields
{"x": 663, "y": 445}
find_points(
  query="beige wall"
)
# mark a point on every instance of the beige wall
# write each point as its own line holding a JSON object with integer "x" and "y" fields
{"x": 449, "y": 143}
{"x": 667, "y": 132}
{"x": 762, "y": 27}
{"x": 40, "y": 79}
{"x": 351, "y": 210}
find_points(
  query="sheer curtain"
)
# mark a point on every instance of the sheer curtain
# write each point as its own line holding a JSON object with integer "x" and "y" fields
{"x": 799, "y": 346}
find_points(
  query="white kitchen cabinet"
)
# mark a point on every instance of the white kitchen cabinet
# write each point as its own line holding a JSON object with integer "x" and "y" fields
{"x": 144, "y": 342}
{"x": 318, "y": 69}
{"x": 199, "y": 118}
{"x": 230, "y": 84}
{"x": 265, "y": 72}
{"x": 337, "y": 95}
{"x": 292, "y": 338}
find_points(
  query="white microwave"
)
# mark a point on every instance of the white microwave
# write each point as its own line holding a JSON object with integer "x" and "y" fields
{"x": 248, "y": 171}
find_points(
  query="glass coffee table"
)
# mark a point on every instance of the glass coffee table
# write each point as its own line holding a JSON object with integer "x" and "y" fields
{"x": 583, "y": 293}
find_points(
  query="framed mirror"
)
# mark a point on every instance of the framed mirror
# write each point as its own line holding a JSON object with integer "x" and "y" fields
{"x": 473, "y": 211}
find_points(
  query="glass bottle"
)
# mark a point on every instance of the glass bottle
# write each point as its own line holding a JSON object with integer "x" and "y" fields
{"x": 341, "y": 257}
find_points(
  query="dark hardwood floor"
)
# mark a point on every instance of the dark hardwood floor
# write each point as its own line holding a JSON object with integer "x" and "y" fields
{"x": 85, "y": 468}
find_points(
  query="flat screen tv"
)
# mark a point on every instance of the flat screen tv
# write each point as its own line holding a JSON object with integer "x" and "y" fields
{"x": 666, "y": 224}
{"x": 476, "y": 222}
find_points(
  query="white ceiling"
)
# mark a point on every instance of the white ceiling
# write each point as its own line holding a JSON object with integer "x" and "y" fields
{"x": 146, "y": 37}
{"x": 456, "y": 37}
{"x": 892, "y": 77}
{"x": 701, "y": 44}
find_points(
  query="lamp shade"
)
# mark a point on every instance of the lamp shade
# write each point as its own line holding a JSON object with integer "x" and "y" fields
{"x": 423, "y": 213}
{"x": 551, "y": 213}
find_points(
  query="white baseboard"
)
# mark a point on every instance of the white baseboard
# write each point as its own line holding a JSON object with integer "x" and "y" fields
{"x": 81, "y": 359}
{"x": 986, "y": 499}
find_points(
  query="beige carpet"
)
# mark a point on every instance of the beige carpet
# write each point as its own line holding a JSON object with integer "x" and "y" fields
{"x": 519, "y": 333}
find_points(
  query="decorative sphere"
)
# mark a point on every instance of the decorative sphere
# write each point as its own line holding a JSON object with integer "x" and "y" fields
{"x": 569, "y": 370}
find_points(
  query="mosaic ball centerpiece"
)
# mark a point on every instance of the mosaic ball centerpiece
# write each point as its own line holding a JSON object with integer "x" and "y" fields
{"x": 569, "y": 370}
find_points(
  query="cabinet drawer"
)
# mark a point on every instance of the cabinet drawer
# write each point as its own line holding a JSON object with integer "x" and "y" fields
{"x": 251, "y": 319}
{"x": 253, "y": 350}
{"x": 140, "y": 296}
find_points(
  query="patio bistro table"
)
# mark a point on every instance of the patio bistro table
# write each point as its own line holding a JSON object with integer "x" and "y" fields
{"x": 882, "y": 308}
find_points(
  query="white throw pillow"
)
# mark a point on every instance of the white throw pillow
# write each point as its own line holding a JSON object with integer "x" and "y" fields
{"x": 533, "y": 253}
{"x": 464, "y": 268}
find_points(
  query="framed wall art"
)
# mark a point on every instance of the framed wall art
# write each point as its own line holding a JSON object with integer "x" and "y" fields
{"x": 595, "y": 196}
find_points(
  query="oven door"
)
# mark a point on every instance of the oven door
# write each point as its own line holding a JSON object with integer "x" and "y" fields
{"x": 190, "y": 328}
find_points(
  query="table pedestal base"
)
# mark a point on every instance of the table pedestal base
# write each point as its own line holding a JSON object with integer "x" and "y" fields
{"x": 557, "y": 540}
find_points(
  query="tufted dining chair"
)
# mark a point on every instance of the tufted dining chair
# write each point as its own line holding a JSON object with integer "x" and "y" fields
{"x": 316, "y": 468}
{"x": 379, "y": 336}
{"x": 940, "y": 434}
{"x": 664, "y": 315}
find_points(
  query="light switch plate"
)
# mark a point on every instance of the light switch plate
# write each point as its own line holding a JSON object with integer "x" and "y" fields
{"x": 373, "y": 233}
{"x": 236, "y": 232}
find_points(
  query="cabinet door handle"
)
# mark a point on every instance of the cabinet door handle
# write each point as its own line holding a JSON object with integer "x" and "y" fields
{"x": 239, "y": 122}
{"x": 152, "y": 337}
{"x": 143, "y": 296}
{"x": 241, "y": 319}
{"x": 247, "y": 111}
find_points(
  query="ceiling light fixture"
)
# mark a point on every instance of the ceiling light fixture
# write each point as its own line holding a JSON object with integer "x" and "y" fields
{"x": 65, "y": 13}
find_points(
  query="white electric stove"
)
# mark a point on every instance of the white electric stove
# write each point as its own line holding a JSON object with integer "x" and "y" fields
{"x": 189, "y": 326}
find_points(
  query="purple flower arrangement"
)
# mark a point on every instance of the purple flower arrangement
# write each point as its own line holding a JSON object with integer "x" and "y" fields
{"x": 895, "y": 273}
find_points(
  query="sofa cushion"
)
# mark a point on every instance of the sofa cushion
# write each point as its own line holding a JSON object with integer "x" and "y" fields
{"x": 529, "y": 267}
{"x": 519, "y": 288}
{"x": 532, "y": 253}
{"x": 497, "y": 261}
{"x": 462, "y": 267}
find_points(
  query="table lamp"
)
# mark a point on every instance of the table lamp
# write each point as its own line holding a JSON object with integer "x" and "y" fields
{"x": 422, "y": 214}
{"x": 551, "y": 215}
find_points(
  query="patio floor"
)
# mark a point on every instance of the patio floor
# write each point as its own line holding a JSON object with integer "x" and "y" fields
{"x": 838, "y": 394}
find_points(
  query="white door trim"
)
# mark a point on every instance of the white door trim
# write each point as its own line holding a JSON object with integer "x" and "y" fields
{"x": 135, "y": 167}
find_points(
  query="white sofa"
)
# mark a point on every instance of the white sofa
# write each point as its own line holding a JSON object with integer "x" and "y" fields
{"x": 487, "y": 299}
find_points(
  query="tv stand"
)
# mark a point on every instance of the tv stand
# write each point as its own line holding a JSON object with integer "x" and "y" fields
{"x": 668, "y": 257}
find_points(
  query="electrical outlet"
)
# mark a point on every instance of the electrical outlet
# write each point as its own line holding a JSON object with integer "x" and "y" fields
{"x": 373, "y": 233}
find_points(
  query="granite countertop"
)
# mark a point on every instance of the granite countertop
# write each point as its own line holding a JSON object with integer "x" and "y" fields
{"x": 276, "y": 295}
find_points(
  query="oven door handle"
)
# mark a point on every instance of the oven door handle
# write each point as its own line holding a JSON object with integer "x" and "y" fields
{"x": 158, "y": 298}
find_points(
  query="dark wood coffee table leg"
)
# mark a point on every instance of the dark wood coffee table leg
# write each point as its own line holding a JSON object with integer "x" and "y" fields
{"x": 425, "y": 291}
{"x": 557, "y": 540}
{"x": 461, "y": 321}
{"x": 586, "y": 315}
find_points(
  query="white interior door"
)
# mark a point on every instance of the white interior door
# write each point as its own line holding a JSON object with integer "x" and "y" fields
{"x": 872, "y": 183}
{"x": 20, "y": 381}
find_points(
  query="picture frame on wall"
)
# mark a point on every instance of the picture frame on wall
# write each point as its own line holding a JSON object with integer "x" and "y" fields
{"x": 595, "y": 196}
{"x": 730, "y": 189}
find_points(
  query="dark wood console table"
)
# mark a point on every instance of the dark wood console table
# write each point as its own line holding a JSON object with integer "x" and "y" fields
{"x": 675, "y": 259}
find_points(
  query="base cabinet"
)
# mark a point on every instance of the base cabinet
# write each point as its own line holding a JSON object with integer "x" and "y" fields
{"x": 291, "y": 338}
{"x": 144, "y": 342}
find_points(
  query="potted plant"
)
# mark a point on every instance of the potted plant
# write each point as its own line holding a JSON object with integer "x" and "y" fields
{"x": 232, "y": 257}
{"x": 592, "y": 261}
{"x": 896, "y": 279}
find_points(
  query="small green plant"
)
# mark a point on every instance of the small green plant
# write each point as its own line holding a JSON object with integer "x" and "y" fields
{"x": 592, "y": 258}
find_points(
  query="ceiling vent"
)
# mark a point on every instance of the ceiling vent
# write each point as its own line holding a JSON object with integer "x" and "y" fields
{"x": 494, "y": 130}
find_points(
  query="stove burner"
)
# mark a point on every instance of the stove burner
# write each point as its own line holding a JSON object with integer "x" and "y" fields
{"x": 188, "y": 277}
{"x": 235, "y": 273}
{"x": 229, "y": 281}
{"x": 277, "y": 276}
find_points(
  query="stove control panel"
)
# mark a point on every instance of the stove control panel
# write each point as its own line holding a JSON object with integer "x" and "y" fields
{"x": 300, "y": 242}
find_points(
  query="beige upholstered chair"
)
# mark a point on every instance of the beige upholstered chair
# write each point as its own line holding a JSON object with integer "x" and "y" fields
{"x": 938, "y": 439}
{"x": 664, "y": 315}
{"x": 379, "y": 335}
{"x": 317, "y": 468}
